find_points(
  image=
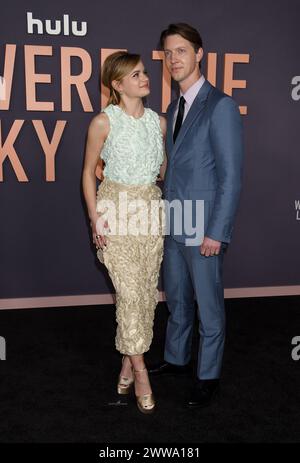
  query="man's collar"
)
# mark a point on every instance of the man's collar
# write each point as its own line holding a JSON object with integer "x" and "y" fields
{"x": 191, "y": 92}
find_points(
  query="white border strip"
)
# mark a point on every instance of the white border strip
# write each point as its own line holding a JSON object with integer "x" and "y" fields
{"x": 104, "y": 299}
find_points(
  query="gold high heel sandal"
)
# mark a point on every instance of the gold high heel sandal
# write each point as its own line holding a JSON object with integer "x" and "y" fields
{"x": 145, "y": 402}
{"x": 124, "y": 383}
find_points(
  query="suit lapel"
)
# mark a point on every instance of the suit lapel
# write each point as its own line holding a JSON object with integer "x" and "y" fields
{"x": 170, "y": 117}
{"x": 195, "y": 110}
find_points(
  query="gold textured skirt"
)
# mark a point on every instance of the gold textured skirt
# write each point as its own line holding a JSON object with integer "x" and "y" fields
{"x": 132, "y": 256}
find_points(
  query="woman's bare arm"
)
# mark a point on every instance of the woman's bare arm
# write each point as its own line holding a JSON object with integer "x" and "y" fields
{"x": 97, "y": 133}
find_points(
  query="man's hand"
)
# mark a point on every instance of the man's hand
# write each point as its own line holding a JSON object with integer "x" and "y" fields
{"x": 210, "y": 247}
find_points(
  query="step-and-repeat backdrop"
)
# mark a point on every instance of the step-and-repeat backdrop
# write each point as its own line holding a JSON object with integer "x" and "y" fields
{"x": 50, "y": 64}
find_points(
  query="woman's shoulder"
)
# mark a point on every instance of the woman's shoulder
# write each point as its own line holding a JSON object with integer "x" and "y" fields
{"x": 109, "y": 108}
{"x": 153, "y": 115}
{"x": 99, "y": 123}
{"x": 113, "y": 112}
{"x": 160, "y": 120}
{"x": 151, "y": 112}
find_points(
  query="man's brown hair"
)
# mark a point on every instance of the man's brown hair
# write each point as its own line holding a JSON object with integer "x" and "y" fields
{"x": 186, "y": 31}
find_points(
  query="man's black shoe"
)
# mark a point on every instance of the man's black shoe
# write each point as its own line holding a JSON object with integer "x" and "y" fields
{"x": 169, "y": 369}
{"x": 203, "y": 393}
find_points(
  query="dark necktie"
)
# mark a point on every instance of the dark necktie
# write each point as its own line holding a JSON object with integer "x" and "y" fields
{"x": 179, "y": 118}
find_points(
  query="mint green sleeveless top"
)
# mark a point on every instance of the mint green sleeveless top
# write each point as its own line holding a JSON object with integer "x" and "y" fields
{"x": 133, "y": 150}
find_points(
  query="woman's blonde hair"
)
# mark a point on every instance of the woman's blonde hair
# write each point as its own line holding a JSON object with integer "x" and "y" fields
{"x": 115, "y": 67}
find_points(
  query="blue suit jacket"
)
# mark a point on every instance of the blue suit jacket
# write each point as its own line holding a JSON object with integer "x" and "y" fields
{"x": 205, "y": 163}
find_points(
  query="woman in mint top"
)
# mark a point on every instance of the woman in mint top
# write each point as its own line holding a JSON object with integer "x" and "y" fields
{"x": 127, "y": 213}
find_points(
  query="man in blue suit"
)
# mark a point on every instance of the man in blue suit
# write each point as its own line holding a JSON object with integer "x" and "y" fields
{"x": 205, "y": 156}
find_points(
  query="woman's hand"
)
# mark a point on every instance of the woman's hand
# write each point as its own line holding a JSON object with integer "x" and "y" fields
{"x": 98, "y": 225}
